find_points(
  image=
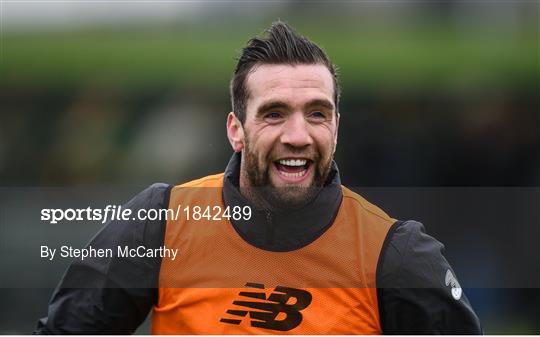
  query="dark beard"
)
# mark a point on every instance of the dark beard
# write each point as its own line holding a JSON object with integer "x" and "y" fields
{"x": 265, "y": 195}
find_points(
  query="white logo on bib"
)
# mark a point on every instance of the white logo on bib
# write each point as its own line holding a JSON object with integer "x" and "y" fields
{"x": 450, "y": 280}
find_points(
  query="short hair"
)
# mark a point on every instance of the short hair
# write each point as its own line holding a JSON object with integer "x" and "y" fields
{"x": 282, "y": 45}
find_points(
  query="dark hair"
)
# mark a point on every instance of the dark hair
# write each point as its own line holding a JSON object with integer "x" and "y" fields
{"x": 282, "y": 45}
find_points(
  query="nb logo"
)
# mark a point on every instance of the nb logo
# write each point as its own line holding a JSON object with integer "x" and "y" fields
{"x": 268, "y": 309}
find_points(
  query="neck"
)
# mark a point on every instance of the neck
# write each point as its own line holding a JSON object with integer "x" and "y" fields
{"x": 279, "y": 229}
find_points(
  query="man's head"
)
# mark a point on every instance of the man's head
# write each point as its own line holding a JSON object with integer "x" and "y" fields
{"x": 285, "y": 96}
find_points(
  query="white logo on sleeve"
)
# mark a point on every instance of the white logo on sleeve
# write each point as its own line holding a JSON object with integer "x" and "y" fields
{"x": 450, "y": 280}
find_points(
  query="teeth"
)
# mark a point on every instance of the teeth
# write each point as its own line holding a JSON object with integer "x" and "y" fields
{"x": 293, "y": 162}
{"x": 293, "y": 175}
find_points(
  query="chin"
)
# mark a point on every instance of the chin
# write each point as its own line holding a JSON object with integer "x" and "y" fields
{"x": 288, "y": 185}
{"x": 290, "y": 196}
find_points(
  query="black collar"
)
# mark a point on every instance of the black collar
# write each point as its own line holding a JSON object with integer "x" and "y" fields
{"x": 283, "y": 230}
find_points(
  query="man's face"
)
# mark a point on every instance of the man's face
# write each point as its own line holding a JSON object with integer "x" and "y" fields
{"x": 290, "y": 131}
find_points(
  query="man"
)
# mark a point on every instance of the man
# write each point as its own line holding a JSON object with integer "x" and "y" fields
{"x": 284, "y": 247}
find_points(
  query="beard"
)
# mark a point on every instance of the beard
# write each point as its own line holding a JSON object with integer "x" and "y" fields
{"x": 265, "y": 194}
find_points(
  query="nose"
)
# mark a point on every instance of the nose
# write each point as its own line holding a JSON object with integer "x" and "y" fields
{"x": 295, "y": 131}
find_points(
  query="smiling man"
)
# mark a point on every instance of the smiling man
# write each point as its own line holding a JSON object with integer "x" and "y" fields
{"x": 287, "y": 134}
{"x": 275, "y": 244}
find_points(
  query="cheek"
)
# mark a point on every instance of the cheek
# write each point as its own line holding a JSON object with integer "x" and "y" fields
{"x": 325, "y": 140}
{"x": 263, "y": 142}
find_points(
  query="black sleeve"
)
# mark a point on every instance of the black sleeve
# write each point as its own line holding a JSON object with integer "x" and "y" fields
{"x": 111, "y": 295}
{"x": 418, "y": 292}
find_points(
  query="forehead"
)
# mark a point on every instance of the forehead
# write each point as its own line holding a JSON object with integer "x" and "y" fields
{"x": 289, "y": 83}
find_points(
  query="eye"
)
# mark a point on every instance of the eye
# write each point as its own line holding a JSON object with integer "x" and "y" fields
{"x": 318, "y": 114}
{"x": 273, "y": 115}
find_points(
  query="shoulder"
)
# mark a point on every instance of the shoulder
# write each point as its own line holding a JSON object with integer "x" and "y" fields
{"x": 364, "y": 209}
{"x": 158, "y": 193}
{"x": 418, "y": 291}
{"x": 138, "y": 229}
{"x": 371, "y": 225}
{"x": 155, "y": 195}
{"x": 215, "y": 180}
{"x": 409, "y": 251}
{"x": 207, "y": 188}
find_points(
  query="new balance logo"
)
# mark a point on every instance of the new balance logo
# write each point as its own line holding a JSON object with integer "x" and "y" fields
{"x": 268, "y": 309}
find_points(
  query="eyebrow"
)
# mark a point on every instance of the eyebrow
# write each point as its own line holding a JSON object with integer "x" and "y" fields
{"x": 282, "y": 105}
{"x": 319, "y": 103}
{"x": 272, "y": 105}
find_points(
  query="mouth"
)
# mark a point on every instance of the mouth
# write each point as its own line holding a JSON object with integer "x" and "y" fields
{"x": 293, "y": 170}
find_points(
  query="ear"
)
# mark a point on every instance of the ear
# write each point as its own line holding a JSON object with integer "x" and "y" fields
{"x": 337, "y": 131}
{"x": 235, "y": 132}
{"x": 337, "y": 128}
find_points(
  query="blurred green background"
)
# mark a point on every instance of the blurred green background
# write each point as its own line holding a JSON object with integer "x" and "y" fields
{"x": 128, "y": 93}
